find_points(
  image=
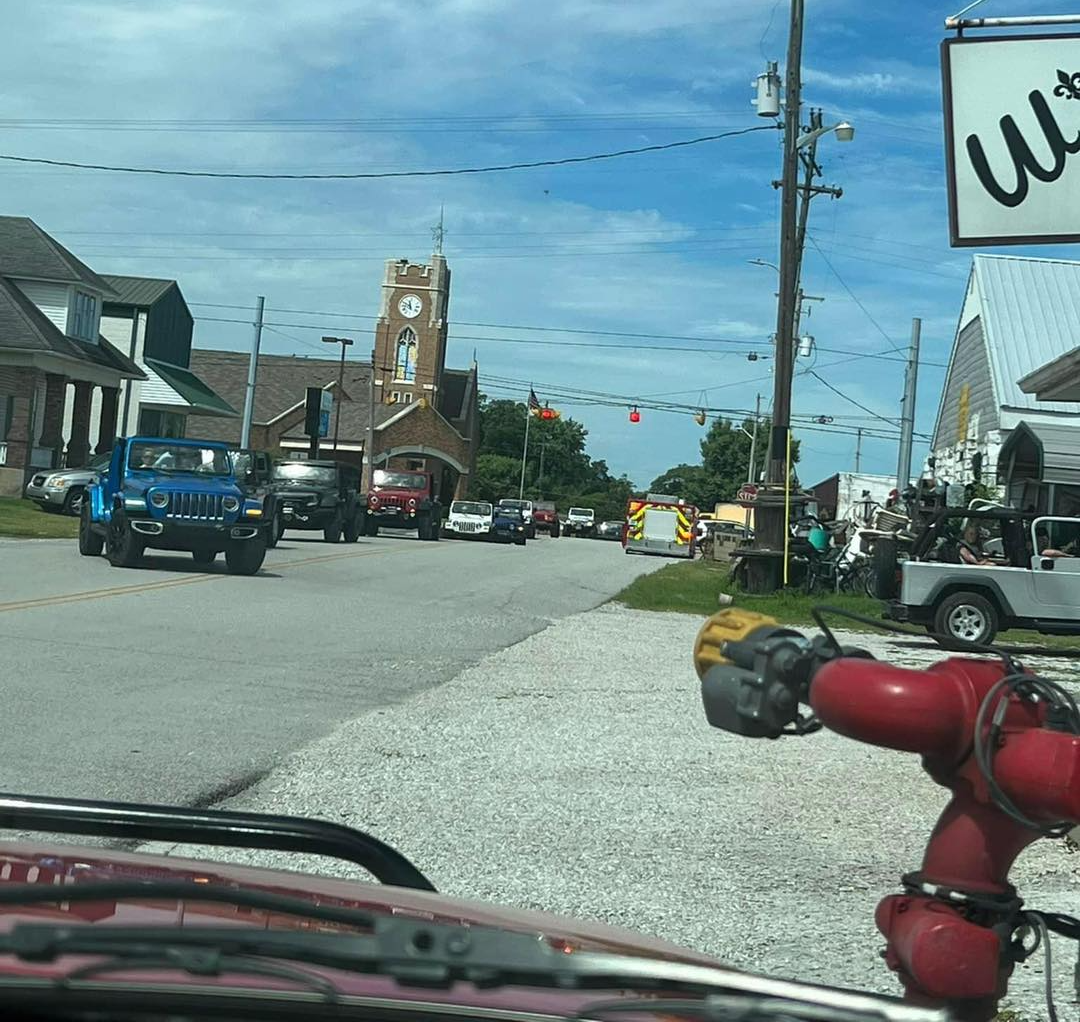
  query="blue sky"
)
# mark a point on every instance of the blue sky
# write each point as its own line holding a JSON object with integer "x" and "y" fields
{"x": 656, "y": 244}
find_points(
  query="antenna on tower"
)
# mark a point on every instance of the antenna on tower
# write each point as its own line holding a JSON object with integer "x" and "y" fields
{"x": 438, "y": 234}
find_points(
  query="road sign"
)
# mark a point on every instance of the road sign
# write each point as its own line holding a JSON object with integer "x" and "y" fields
{"x": 1012, "y": 139}
{"x": 317, "y": 409}
{"x": 747, "y": 494}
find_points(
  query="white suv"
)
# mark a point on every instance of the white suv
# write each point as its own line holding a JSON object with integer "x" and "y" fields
{"x": 469, "y": 518}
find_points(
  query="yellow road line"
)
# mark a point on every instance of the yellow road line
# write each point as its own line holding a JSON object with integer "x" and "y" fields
{"x": 169, "y": 583}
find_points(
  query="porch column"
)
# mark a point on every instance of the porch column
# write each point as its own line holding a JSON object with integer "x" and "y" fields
{"x": 20, "y": 438}
{"x": 78, "y": 452}
{"x": 52, "y": 428}
{"x": 110, "y": 403}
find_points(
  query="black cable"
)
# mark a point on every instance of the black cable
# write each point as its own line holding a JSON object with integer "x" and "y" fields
{"x": 565, "y": 161}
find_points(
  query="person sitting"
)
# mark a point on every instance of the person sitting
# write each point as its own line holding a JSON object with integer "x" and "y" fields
{"x": 971, "y": 551}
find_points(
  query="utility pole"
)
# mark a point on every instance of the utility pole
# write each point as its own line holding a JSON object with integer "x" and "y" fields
{"x": 753, "y": 458}
{"x": 771, "y": 516}
{"x": 858, "y": 451}
{"x": 345, "y": 342}
{"x": 253, "y": 368}
{"x": 907, "y": 415}
{"x": 540, "y": 478}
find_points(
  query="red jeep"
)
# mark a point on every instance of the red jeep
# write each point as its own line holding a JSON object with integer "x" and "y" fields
{"x": 403, "y": 500}
{"x": 546, "y": 518}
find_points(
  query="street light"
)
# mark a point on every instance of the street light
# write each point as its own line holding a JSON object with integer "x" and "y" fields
{"x": 845, "y": 132}
{"x": 345, "y": 342}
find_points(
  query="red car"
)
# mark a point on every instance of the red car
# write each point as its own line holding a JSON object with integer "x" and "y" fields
{"x": 97, "y": 933}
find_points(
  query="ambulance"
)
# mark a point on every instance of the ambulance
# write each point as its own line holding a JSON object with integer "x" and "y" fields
{"x": 660, "y": 524}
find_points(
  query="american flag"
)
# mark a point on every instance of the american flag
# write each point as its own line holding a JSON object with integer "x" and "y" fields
{"x": 534, "y": 401}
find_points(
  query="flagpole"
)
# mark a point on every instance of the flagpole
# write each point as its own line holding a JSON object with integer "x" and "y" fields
{"x": 525, "y": 449}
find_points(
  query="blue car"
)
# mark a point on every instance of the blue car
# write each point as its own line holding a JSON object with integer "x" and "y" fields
{"x": 167, "y": 494}
{"x": 508, "y": 526}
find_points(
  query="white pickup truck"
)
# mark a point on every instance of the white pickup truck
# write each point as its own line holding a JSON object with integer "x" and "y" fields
{"x": 469, "y": 519}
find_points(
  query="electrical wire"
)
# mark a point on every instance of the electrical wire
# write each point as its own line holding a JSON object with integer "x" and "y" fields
{"x": 851, "y": 400}
{"x": 371, "y": 175}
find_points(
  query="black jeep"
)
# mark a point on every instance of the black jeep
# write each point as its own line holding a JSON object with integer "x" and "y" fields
{"x": 254, "y": 472}
{"x": 319, "y": 495}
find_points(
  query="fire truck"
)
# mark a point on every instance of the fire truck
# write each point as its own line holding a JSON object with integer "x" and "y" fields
{"x": 660, "y": 524}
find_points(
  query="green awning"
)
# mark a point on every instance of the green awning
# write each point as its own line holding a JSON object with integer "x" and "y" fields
{"x": 182, "y": 389}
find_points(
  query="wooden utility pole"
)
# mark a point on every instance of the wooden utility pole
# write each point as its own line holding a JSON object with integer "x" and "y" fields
{"x": 858, "y": 451}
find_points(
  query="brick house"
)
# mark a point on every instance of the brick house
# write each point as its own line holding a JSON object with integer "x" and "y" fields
{"x": 421, "y": 414}
{"x": 50, "y": 342}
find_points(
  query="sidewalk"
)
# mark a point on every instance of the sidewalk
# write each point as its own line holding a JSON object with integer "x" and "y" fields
{"x": 575, "y": 773}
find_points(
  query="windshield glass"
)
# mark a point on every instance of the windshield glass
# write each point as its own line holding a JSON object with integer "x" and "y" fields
{"x": 581, "y": 512}
{"x": 299, "y": 471}
{"x": 519, "y": 505}
{"x": 166, "y": 457}
{"x": 384, "y": 480}
{"x": 511, "y": 512}
{"x": 470, "y": 507}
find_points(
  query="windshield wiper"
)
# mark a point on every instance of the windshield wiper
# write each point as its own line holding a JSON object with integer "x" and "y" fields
{"x": 434, "y": 955}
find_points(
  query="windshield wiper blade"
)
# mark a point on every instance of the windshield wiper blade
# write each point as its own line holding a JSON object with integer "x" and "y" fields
{"x": 183, "y": 890}
{"x": 434, "y": 955}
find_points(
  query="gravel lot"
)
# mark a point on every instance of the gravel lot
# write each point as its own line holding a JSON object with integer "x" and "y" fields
{"x": 574, "y": 772}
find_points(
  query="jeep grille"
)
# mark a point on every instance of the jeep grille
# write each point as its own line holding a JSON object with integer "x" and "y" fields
{"x": 195, "y": 507}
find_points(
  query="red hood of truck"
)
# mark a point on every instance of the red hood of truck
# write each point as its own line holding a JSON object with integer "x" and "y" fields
{"x": 63, "y": 865}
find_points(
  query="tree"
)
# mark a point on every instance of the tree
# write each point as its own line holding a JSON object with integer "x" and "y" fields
{"x": 496, "y": 476}
{"x": 725, "y": 464}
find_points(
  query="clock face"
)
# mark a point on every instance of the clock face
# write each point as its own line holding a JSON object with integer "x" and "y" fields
{"x": 410, "y": 306}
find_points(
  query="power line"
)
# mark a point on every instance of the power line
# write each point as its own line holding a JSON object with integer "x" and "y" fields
{"x": 494, "y": 168}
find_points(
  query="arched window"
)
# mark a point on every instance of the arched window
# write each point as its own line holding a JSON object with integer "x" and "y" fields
{"x": 405, "y": 362}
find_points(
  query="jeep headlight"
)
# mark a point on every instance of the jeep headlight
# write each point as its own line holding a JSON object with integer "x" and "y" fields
{"x": 159, "y": 498}
{"x": 520, "y": 528}
{"x": 231, "y": 504}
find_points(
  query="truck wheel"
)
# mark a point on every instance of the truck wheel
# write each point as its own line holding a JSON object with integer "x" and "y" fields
{"x": 90, "y": 543}
{"x": 436, "y": 531}
{"x": 519, "y": 541}
{"x": 277, "y": 527}
{"x": 203, "y": 557}
{"x": 73, "y": 502}
{"x": 352, "y": 529}
{"x": 423, "y": 527}
{"x": 332, "y": 533}
{"x": 371, "y": 529}
{"x": 123, "y": 546}
{"x": 245, "y": 556}
{"x": 555, "y": 531}
{"x": 967, "y": 617}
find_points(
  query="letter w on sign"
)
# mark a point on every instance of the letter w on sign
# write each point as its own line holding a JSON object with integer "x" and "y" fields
{"x": 1012, "y": 139}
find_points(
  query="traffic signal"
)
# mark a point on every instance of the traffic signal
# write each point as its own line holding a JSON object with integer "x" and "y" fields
{"x": 549, "y": 413}
{"x": 635, "y": 415}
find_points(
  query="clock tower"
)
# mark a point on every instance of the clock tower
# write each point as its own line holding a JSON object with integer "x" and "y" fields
{"x": 410, "y": 337}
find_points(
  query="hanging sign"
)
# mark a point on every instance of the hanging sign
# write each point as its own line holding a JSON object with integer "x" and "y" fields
{"x": 1012, "y": 139}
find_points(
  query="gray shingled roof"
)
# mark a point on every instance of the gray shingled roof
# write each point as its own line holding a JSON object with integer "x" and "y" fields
{"x": 282, "y": 382}
{"x": 27, "y": 251}
{"x": 141, "y": 291}
{"x": 23, "y": 327}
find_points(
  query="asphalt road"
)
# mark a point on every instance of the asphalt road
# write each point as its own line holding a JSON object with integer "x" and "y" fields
{"x": 170, "y": 684}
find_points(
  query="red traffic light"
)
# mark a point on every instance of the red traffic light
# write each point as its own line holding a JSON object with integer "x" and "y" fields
{"x": 548, "y": 413}
{"x": 635, "y": 415}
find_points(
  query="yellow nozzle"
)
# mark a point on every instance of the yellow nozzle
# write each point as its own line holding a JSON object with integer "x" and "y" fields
{"x": 726, "y": 626}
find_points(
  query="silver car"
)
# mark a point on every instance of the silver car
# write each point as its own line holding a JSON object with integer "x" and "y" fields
{"x": 63, "y": 489}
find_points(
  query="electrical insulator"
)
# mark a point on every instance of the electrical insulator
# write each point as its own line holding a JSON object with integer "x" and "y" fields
{"x": 635, "y": 415}
{"x": 752, "y": 357}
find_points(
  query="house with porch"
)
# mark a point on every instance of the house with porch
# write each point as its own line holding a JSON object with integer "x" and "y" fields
{"x": 51, "y": 346}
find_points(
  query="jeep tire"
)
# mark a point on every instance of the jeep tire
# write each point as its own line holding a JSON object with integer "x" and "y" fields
{"x": 90, "y": 543}
{"x": 423, "y": 526}
{"x": 277, "y": 527}
{"x": 966, "y": 617}
{"x": 245, "y": 556}
{"x": 554, "y": 530}
{"x": 123, "y": 546}
{"x": 351, "y": 529}
{"x": 203, "y": 556}
{"x": 332, "y": 533}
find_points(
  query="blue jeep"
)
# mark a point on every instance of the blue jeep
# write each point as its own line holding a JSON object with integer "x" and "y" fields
{"x": 168, "y": 494}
